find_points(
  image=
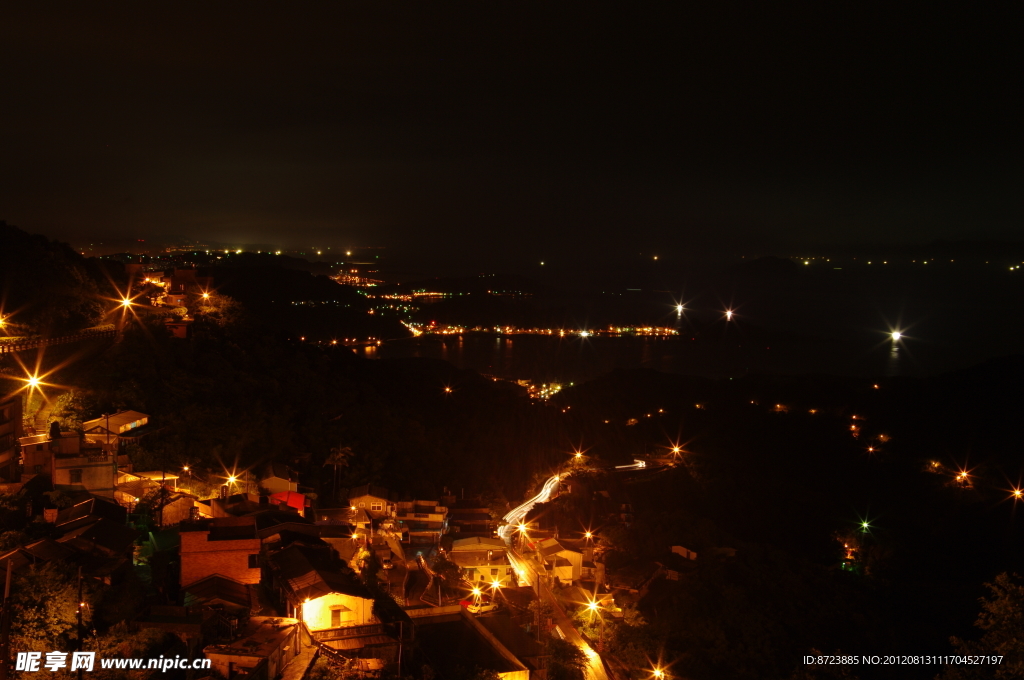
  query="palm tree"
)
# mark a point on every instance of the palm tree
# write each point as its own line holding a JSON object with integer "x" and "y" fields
{"x": 338, "y": 457}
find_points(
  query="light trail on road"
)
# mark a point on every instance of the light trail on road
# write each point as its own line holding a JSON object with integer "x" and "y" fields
{"x": 637, "y": 465}
{"x": 514, "y": 518}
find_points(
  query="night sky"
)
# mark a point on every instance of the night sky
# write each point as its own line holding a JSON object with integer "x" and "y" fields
{"x": 524, "y": 128}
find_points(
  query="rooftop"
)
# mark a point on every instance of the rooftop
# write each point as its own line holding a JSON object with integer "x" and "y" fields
{"x": 261, "y": 636}
{"x": 115, "y": 421}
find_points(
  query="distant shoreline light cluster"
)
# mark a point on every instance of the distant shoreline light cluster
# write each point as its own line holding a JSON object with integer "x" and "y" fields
{"x": 610, "y": 331}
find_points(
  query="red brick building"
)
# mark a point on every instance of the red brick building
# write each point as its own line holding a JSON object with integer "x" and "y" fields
{"x": 228, "y": 546}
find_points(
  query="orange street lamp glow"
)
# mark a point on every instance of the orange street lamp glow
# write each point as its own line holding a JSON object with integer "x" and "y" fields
{"x": 126, "y": 303}
{"x": 593, "y": 606}
{"x": 658, "y": 673}
{"x": 1018, "y": 493}
{"x": 232, "y": 479}
{"x": 33, "y": 381}
{"x": 728, "y": 314}
{"x": 476, "y": 592}
{"x": 588, "y": 535}
{"x": 206, "y": 296}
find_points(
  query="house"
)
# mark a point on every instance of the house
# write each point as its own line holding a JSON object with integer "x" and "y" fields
{"x": 117, "y": 429}
{"x": 483, "y": 561}
{"x": 10, "y": 431}
{"x": 220, "y": 593}
{"x": 105, "y": 549}
{"x": 375, "y": 500}
{"x": 37, "y": 553}
{"x": 421, "y": 522}
{"x": 266, "y": 645}
{"x": 228, "y": 546}
{"x": 240, "y": 505}
{"x": 318, "y": 588}
{"x": 686, "y": 553}
{"x": 156, "y": 491}
{"x": 278, "y": 478}
{"x": 470, "y": 518}
{"x": 561, "y": 561}
{"x": 38, "y": 452}
{"x": 88, "y": 511}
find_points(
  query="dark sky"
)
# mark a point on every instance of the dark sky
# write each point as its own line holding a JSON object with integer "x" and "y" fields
{"x": 524, "y": 128}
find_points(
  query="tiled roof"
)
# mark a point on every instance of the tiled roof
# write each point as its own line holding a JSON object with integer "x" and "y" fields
{"x": 310, "y": 574}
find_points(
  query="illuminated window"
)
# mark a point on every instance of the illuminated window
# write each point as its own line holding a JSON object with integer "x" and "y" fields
{"x": 362, "y": 505}
{"x": 377, "y": 507}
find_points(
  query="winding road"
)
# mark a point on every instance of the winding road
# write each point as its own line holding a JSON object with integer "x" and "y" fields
{"x": 528, "y": 573}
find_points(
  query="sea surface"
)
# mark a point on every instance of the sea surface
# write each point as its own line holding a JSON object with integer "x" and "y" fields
{"x": 544, "y": 359}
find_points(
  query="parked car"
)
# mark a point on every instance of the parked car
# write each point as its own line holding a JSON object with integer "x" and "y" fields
{"x": 482, "y": 607}
{"x": 387, "y": 563}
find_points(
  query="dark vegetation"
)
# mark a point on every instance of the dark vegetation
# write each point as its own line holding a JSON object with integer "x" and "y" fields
{"x": 48, "y": 288}
{"x": 776, "y": 482}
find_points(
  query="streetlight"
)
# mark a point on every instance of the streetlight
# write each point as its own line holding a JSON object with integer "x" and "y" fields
{"x": 595, "y": 608}
{"x": 896, "y": 335}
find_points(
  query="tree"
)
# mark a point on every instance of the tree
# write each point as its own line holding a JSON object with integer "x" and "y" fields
{"x": 339, "y": 457}
{"x": 54, "y": 430}
{"x": 449, "y": 572}
{"x": 1002, "y": 619}
{"x": 567, "y": 660}
{"x": 45, "y": 608}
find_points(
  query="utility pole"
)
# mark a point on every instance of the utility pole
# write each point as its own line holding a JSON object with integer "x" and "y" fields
{"x": 81, "y": 606}
{"x": 5, "y": 627}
